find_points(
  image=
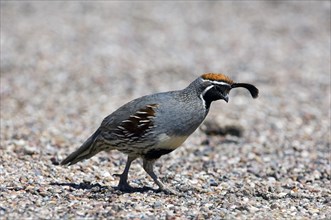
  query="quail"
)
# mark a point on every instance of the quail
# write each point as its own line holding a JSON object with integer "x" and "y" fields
{"x": 154, "y": 125}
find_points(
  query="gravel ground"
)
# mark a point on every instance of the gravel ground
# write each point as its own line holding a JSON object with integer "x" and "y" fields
{"x": 65, "y": 66}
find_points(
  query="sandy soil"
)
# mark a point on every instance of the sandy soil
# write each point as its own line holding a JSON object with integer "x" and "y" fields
{"x": 67, "y": 65}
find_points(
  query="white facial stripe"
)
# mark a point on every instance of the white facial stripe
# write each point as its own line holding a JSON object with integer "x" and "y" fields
{"x": 206, "y": 90}
{"x": 220, "y": 83}
{"x": 216, "y": 82}
{"x": 203, "y": 101}
{"x": 203, "y": 93}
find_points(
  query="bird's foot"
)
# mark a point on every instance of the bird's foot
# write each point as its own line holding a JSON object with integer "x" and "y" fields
{"x": 123, "y": 184}
{"x": 125, "y": 187}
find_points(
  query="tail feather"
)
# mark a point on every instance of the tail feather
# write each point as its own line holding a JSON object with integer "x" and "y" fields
{"x": 86, "y": 151}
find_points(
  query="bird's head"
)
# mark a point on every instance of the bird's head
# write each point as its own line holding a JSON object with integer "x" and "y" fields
{"x": 217, "y": 86}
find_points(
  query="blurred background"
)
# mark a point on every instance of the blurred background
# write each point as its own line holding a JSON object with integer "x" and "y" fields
{"x": 67, "y": 65}
{"x": 63, "y": 61}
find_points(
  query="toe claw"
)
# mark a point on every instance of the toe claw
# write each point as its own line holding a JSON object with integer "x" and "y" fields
{"x": 167, "y": 191}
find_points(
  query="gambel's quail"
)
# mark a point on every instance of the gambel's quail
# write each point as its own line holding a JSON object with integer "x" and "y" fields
{"x": 154, "y": 125}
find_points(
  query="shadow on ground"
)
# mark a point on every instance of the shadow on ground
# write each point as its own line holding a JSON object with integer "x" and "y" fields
{"x": 99, "y": 188}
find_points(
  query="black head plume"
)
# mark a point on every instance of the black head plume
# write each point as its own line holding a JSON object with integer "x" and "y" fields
{"x": 252, "y": 89}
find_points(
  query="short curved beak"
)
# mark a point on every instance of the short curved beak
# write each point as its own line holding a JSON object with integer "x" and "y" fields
{"x": 226, "y": 98}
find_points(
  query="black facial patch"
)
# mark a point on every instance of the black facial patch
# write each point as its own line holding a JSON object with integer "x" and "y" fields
{"x": 215, "y": 93}
{"x": 156, "y": 153}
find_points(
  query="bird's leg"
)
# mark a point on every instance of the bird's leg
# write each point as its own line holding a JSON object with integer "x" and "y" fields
{"x": 148, "y": 167}
{"x": 123, "y": 184}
